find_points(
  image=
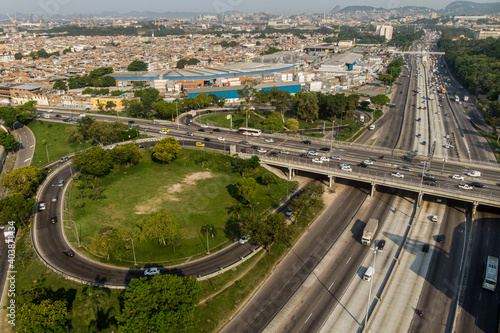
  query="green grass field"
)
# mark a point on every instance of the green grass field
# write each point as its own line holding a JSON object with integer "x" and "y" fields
{"x": 56, "y": 144}
{"x": 194, "y": 195}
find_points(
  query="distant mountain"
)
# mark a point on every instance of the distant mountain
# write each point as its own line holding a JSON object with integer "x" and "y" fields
{"x": 454, "y": 8}
{"x": 470, "y": 8}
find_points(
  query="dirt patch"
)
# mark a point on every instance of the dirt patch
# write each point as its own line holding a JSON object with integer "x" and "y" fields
{"x": 168, "y": 192}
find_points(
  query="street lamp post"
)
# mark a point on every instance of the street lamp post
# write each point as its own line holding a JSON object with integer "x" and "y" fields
{"x": 208, "y": 248}
{"x": 133, "y": 250}
{"x": 444, "y": 162}
{"x": 47, "y": 150}
{"x": 371, "y": 281}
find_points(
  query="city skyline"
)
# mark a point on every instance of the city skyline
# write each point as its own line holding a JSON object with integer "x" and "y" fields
{"x": 64, "y": 7}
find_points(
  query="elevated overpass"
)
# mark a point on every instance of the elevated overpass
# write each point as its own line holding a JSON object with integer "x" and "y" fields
{"x": 488, "y": 197}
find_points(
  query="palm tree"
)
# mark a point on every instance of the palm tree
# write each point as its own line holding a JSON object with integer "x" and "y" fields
{"x": 210, "y": 229}
{"x": 89, "y": 303}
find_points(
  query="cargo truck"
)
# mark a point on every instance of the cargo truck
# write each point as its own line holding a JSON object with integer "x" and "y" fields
{"x": 369, "y": 231}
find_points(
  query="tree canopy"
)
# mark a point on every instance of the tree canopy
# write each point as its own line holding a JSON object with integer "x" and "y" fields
{"x": 137, "y": 66}
{"x": 24, "y": 180}
{"x": 166, "y": 150}
{"x": 165, "y": 303}
{"x": 247, "y": 189}
{"x": 16, "y": 207}
{"x": 160, "y": 227}
{"x": 94, "y": 161}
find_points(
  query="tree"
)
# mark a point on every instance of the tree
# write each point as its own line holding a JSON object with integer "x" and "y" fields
{"x": 165, "y": 303}
{"x": 16, "y": 207}
{"x": 60, "y": 85}
{"x": 281, "y": 101}
{"x": 273, "y": 122}
{"x": 112, "y": 242}
{"x": 247, "y": 189}
{"x": 365, "y": 105}
{"x": 84, "y": 124}
{"x": 386, "y": 78}
{"x": 128, "y": 154}
{"x": 166, "y": 150}
{"x": 46, "y": 316}
{"x": 106, "y": 131}
{"x": 292, "y": 124}
{"x": 24, "y": 180}
{"x": 137, "y": 66}
{"x": 268, "y": 231}
{"x": 134, "y": 107}
{"x": 110, "y": 106}
{"x": 268, "y": 179}
{"x": 18, "y": 56}
{"x": 306, "y": 106}
{"x": 94, "y": 161}
{"x": 160, "y": 227}
{"x": 148, "y": 97}
{"x": 89, "y": 304}
{"x": 8, "y": 141}
{"x": 166, "y": 110}
{"x": 380, "y": 99}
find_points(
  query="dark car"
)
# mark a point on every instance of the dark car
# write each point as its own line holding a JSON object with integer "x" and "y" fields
{"x": 440, "y": 239}
{"x": 325, "y": 149}
{"x": 58, "y": 116}
{"x": 363, "y": 165}
{"x": 216, "y": 129}
{"x": 429, "y": 179}
{"x": 69, "y": 253}
{"x": 380, "y": 245}
{"x": 418, "y": 119}
{"x": 244, "y": 142}
{"x": 404, "y": 167}
{"x": 201, "y": 129}
{"x": 477, "y": 184}
{"x": 207, "y": 139}
{"x": 246, "y": 151}
{"x": 305, "y": 155}
{"x": 255, "y": 147}
{"x": 53, "y": 219}
{"x": 429, "y": 183}
{"x": 273, "y": 153}
{"x": 307, "y": 142}
{"x": 425, "y": 248}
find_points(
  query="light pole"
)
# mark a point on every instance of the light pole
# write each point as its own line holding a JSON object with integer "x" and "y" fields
{"x": 133, "y": 250}
{"x": 444, "y": 162}
{"x": 77, "y": 236}
{"x": 421, "y": 182}
{"x": 208, "y": 248}
{"x": 47, "y": 150}
{"x": 371, "y": 281}
{"x": 333, "y": 138}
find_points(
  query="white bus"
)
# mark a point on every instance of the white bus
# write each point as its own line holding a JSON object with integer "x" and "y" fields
{"x": 490, "y": 274}
{"x": 249, "y": 131}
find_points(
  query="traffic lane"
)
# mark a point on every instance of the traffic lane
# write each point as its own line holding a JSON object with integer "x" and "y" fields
{"x": 26, "y": 147}
{"x": 479, "y": 308}
{"x": 439, "y": 292}
{"x": 298, "y": 264}
{"x": 325, "y": 295}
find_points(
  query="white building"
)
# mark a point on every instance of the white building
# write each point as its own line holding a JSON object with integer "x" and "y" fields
{"x": 385, "y": 30}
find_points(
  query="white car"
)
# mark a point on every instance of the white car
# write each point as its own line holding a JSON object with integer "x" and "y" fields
{"x": 284, "y": 152}
{"x": 397, "y": 175}
{"x": 346, "y": 168}
{"x": 151, "y": 271}
{"x": 367, "y": 162}
{"x": 204, "y": 125}
{"x": 269, "y": 140}
{"x": 465, "y": 186}
{"x": 342, "y": 165}
{"x": 336, "y": 157}
{"x": 82, "y": 115}
{"x": 163, "y": 132}
{"x": 324, "y": 159}
{"x": 317, "y": 160}
{"x": 41, "y": 206}
{"x": 262, "y": 150}
{"x": 244, "y": 239}
{"x": 457, "y": 177}
{"x": 434, "y": 218}
{"x": 313, "y": 153}
{"x": 221, "y": 138}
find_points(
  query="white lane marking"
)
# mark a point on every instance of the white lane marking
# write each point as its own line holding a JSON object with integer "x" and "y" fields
{"x": 32, "y": 146}
{"x": 308, "y": 318}
{"x": 348, "y": 260}
{"x": 331, "y": 285}
{"x": 28, "y": 159}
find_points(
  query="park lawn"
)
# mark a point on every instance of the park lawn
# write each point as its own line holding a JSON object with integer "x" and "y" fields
{"x": 57, "y": 146}
{"x": 194, "y": 195}
{"x": 238, "y": 120}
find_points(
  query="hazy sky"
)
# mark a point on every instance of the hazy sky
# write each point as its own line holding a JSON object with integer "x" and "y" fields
{"x": 64, "y": 7}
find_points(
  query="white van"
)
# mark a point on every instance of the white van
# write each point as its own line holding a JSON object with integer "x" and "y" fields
{"x": 371, "y": 128}
{"x": 46, "y": 115}
{"x": 369, "y": 273}
{"x": 474, "y": 174}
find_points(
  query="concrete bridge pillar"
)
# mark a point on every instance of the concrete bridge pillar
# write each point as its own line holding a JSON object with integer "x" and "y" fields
{"x": 290, "y": 173}
{"x": 372, "y": 189}
{"x": 331, "y": 181}
{"x": 474, "y": 207}
{"x": 419, "y": 198}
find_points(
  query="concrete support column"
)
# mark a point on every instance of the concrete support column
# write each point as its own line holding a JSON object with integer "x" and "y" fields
{"x": 419, "y": 198}
{"x": 474, "y": 207}
{"x": 331, "y": 181}
{"x": 372, "y": 189}
{"x": 290, "y": 171}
